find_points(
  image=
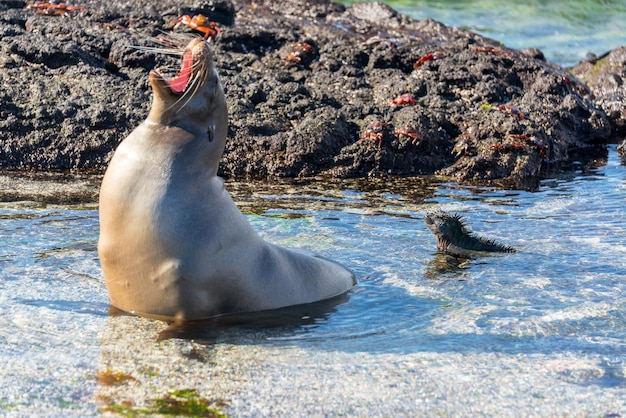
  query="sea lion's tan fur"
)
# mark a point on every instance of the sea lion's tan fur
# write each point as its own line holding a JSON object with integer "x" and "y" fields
{"x": 173, "y": 244}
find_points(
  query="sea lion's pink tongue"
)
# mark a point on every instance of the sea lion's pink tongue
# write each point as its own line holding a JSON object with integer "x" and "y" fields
{"x": 178, "y": 83}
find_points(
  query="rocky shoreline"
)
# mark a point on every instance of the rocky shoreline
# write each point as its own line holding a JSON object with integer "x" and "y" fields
{"x": 314, "y": 89}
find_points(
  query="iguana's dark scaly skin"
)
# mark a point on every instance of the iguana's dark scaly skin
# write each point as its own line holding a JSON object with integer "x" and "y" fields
{"x": 455, "y": 239}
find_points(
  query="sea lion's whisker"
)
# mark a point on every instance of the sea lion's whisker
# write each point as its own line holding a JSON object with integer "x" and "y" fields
{"x": 169, "y": 69}
{"x": 199, "y": 78}
{"x": 165, "y": 51}
{"x": 198, "y": 64}
{"x": 171, "y": 43}
{"x": 161, "y": 39}
{"x": 187, "y": 94}
{"x": 183, "y": 38}
{"x": 192, "y": 88}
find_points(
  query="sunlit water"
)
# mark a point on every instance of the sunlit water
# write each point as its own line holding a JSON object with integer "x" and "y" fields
{"x": 565, "y": 30}
{"x": 564, "y": 291}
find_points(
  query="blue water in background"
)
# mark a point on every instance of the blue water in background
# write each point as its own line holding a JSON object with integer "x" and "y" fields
{"x": 565, "y": 30}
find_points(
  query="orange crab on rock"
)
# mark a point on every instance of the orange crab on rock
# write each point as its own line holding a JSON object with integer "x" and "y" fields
{"x": 199, "y": 22}
{"x": 376, "y": 132}
{"x": 404, "y": 100}
{"x": 54, "y": 9}
{"x": 513, "y": 111}
{"x": 488, "y": 49}
{"x": 301, "y": 53}
{"x": 409, "y": 132}
{"x": 434, "y": 56}
{"x": 532, "y": 141}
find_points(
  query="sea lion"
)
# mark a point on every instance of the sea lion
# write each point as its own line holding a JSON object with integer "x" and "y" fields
{"x": 173, "y": 244}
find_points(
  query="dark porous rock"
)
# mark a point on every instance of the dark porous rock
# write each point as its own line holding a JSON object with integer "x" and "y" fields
{"x": 606, "y": 77}
{"x": 313, "y": 88}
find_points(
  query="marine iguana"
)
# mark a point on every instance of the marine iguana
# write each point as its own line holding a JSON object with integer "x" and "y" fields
{"x": 455, "y": 239}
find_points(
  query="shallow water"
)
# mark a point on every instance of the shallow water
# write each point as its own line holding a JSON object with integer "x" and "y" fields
{"x": 553, "y": 312}
{"x": 565, "y": 30}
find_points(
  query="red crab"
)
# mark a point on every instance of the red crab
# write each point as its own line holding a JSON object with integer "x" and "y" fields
{"x": 490, "y": 50}
{"x": 409, "y": 132}
{"x": 377, "y": 40}
{"x": 514, "y": 112}
{"x": 404, "y": 100}
{"x": 437, "y": 55}
{"x": 508, "y": 147}
{"x": 199, "y": 22}
{"x": 461, "y": 147}
{"x": 534, "y": 141}
{"x": 301, "y": 53}
{"x": 375, "y": 131}
{"x": 53, "y": 9}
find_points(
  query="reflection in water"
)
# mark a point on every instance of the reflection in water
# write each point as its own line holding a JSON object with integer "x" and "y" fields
{"x": 288, "y": 319}
{"x": 443, "y": 266}
{"x": 373, "y": 194}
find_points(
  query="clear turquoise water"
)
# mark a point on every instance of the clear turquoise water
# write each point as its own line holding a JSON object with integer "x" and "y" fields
{"x": 565, "y": 30}
{"x": 564, "y": 291}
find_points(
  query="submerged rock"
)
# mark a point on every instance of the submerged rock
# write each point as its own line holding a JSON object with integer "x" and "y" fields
{"x": 305, "y": 81}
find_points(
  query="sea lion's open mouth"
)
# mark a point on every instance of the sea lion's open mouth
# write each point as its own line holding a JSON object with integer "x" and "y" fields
{"x": 181, "y": 81}
{"x": 196, "y": 67}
